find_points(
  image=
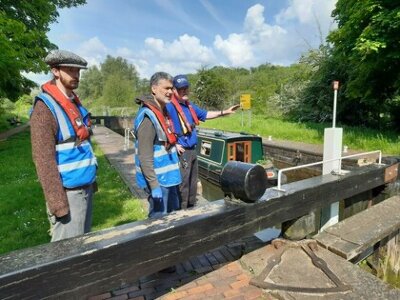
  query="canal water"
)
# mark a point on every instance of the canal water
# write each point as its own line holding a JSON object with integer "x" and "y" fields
{"x": 212, "y": 192}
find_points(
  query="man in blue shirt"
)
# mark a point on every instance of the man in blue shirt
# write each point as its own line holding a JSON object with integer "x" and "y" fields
{"x": 185, "y": 116}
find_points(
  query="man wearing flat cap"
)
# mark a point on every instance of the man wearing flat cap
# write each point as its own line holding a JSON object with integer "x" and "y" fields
{"x": 61, "y": 148}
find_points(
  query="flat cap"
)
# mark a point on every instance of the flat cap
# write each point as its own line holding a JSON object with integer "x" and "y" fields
{"x": 63, "y": 58}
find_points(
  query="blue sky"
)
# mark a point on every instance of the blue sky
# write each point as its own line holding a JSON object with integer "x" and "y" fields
{"x": 180, "y": 36}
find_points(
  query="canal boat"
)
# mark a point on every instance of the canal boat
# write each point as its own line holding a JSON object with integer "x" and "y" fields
{"x": 215, "y": 148}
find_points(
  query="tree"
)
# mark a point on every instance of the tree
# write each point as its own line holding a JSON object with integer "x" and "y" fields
{"x": 23, "y": 40}
{"x": 211, "y": 89}
{"x": 91, "y": 85}
{"x": 367, "y": 43}
{"x": 118, "y": 91}
{"x": 114, "y": 65}
{"x": 114, "y": 84}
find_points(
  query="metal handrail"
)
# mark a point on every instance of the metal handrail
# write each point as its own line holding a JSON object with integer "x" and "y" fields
{"x": 126, "y": 138}
{"x": 278, "y": 186}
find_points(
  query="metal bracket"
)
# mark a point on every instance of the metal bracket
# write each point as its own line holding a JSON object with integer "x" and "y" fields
{"x": 309, "y": 247}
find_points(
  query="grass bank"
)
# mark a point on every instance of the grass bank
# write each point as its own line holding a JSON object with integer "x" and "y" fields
{"x": 23, "y": 221}
{"x": 355, "y": 138}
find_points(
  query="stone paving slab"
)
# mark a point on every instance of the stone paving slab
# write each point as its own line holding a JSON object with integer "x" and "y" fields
{"x": 233, "y": 280}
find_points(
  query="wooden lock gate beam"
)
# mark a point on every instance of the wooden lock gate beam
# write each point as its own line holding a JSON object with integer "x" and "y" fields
{"x": 102, "y": 260}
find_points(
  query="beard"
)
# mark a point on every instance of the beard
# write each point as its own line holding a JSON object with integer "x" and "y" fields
{"x": 70, "y": 84}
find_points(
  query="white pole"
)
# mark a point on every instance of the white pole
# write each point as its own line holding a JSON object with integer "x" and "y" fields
{"x": 334, "y": 108}
{"x": 335, "y": 89}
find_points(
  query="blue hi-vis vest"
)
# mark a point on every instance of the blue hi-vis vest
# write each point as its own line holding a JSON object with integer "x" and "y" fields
{"x": 166, "y": 163}
{"x": 76, "y": 164}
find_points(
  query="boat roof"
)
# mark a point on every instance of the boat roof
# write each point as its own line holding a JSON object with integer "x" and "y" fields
{"x": 232, "y": 136}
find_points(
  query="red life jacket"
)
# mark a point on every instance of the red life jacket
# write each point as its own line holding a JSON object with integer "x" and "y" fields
{"x": 72, "y": 111}
{"x": 171, "y": 138}
{"x": 182, "y": 115}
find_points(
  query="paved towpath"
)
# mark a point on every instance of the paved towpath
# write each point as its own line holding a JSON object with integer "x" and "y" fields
{"x": 6, "y": 134}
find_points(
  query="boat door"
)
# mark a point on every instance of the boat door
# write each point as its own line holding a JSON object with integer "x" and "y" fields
{"x": 239, "y": 151}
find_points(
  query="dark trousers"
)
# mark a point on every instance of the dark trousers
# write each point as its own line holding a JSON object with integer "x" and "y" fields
{"x": 189, "y": 172}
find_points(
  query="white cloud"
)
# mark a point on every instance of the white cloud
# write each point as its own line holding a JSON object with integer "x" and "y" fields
{"x": 124, "y": 52}
{"x": 236, "y": 48}
{"x": 186, "y": 47}
{"x": 279, "y": 43}
{"x": 93, "y": 50}
{"x": 183, "y": 55}
{"x": 258, "y": 43}
{"x": 308, "y": 12}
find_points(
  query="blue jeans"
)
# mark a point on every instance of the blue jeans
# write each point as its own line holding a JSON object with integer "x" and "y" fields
{"x": 170, "y": 202}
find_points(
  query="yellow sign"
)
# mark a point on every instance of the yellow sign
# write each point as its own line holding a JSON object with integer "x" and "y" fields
{"x": 245, "y": 101}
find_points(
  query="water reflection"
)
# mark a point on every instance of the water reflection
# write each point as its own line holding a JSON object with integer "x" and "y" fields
{"x": 211, "y": 192}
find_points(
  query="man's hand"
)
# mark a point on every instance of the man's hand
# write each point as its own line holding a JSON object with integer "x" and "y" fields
{"x": 64, "y": 219}
{"x": 157, "y": 199}
{"x": 180, "y": 149}
{"x": 156, "y": 193}
{"x": 231, "y": 109}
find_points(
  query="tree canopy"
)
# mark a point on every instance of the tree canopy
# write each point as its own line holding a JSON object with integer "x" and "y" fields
{"x": 114, "y": 84}
{"x": 367, "y": 41}
{"x": 363, "y": 54}
{"x": 23, "y": 40}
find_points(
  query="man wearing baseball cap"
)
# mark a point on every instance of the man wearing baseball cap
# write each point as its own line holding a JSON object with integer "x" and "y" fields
{"x": 61, "y": 148}
{"x": 185, "y": 117}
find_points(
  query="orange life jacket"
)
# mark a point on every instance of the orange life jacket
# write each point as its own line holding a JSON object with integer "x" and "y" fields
{"x": 82, "y": 132}
{"x": 171, "y": 138}
{"x": 182, "y": 115}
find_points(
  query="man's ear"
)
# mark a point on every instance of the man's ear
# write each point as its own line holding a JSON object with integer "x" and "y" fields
{"x": 56, "y": 72}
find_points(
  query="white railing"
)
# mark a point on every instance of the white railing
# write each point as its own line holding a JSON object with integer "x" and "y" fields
{"x": 126, "y": 138}
{"x": 278, "y": 186}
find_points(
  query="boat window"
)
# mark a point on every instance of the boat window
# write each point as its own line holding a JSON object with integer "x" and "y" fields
{"x": 205, "y": 148}
{"x": 239, "y": 152}
{"x": 243, "y": 152}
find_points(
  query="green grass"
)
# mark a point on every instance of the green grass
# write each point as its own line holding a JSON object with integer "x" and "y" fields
{"x": 5, "y": 125}
{"x": 113, "y": 204}
{"x": 23, "y": 221}
{"x": 354, "y": 137}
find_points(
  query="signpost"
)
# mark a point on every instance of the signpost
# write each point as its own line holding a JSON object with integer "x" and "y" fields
{"x": 245, "y": 101}
{"x": 245, "y": 104}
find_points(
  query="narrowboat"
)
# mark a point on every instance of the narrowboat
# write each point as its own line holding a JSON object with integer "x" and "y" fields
{"x": 215, "y": 148}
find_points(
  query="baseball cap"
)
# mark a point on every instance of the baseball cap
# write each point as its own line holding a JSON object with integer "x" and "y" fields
{"x": 181, "y": 81}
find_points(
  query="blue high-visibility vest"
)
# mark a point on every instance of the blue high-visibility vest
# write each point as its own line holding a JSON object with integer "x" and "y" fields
{"x": 166, "y": 162}
{"x": 76, "y": 164}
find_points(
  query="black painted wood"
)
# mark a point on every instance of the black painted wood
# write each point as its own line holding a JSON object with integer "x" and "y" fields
{"x": 103, "y": 260}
